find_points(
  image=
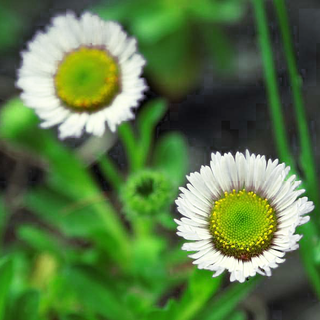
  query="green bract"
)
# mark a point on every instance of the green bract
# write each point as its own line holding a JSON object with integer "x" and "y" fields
{"x": 146, "y": 192}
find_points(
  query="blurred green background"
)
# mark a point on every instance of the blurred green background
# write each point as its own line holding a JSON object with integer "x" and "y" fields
{"x": 73, "y": 245}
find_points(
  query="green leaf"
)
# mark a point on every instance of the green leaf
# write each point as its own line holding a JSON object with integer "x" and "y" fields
{"x": 153, "y": 22}
{"x": 15, "y": 118}
{"x": 6, "y": 277}
{"x": 150, "y": 115}
{"x": 228, "y": 11}
{"x": 27, "y": 306}
{"x": 129, "y": 141}
{"x": 19, "y": 126}
{"x": 224, "y": 304}
{"x": 147, "y": 251}
{"x": 10, "y": 27}
{"x": 166, "y": 220}
{"x": 163, "y": 314}
{"x": 111, "y": 172}
{"x": 3, "y": 220}
{"x": 119, "y": 10}
{"x": 171, "y": 156}
{"x": 148, "y": 118}
{"x": 148, "y": 20}
{"x": 96, "y": 294}
{"x": 173, "y": 62}
{"x": 237, "y": 315}
{"x": 39, "y": 240}
{"x": 200, "y": 288}
{"x": 139, "y": 305}
{"x": 202, "y": 282}
{"x": 75, "y": 219}
{"x": 91, "y": 217}
{"x": 68, "y": 175}
{"x": 74, "y": 317}
{"x": 219, "y": 47}
{"x": 21, "y": 269}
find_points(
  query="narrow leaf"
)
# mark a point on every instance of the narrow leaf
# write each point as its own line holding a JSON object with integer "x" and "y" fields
{"x": 27, "y": 306}
{"x": 6, "y": 277}
{"x": 172, "y": 157}
{"x": 148, "y": 118}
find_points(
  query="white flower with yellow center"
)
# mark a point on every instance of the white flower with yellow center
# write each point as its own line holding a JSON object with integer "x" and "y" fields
{"x": 241, "y": 213}
{"x": 82, "y": 73}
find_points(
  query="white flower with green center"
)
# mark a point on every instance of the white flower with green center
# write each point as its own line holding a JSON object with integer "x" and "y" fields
{"x": 241, "y": 213}
{"x": 82, "y": 73}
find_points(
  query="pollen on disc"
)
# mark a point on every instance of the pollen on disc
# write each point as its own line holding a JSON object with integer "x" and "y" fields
{"x": 87, "y": 79}
{"x": 242, "y": 224}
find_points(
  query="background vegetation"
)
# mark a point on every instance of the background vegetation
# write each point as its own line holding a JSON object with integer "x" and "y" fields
{"x": 223, "y": 77}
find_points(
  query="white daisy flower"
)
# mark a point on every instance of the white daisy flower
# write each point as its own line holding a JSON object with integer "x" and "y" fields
{"x": 82, "y": 73}
{"x": 241, "y": 213}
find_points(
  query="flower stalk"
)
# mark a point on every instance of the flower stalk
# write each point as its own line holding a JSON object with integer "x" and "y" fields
{"x": 306, "y": 159}
{"x": 270, "y": 76}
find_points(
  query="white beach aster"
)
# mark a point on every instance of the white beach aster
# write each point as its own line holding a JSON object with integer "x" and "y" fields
{"x": 82, "y": 73}
{"x": 241, "y": 213}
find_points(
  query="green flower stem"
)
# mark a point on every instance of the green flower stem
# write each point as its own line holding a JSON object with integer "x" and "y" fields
{"x": 131, "y": 146}
{"x": 307, "y": 159}
{"x": 279, "y": 126}
{"x": 111, "y": 172}
{"x": 281, "y": 139}
{"x": 143, "y": 227}
{"x": 3, "y": 221}
{"x": 309, "y": 244}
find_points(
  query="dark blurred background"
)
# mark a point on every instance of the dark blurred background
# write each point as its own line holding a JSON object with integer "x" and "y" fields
{"x": 219, "y": 104}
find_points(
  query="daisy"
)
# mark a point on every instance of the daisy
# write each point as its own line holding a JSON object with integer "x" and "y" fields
{"x": 241, "y": 214}
{"x": 82, "y": 73}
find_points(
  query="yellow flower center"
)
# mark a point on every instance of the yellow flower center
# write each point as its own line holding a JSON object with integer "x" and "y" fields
{"x": 242, "y": 224}
{"x": 87, "y": 79}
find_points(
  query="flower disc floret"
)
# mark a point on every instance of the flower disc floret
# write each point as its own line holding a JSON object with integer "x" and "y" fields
{"x": 87, "y": 79}
{"x": 242, "y": 224}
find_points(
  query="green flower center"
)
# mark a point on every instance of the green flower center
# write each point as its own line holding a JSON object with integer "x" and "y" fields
{"x": 87, "y": 79}
{"x": 242, "y": 224}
